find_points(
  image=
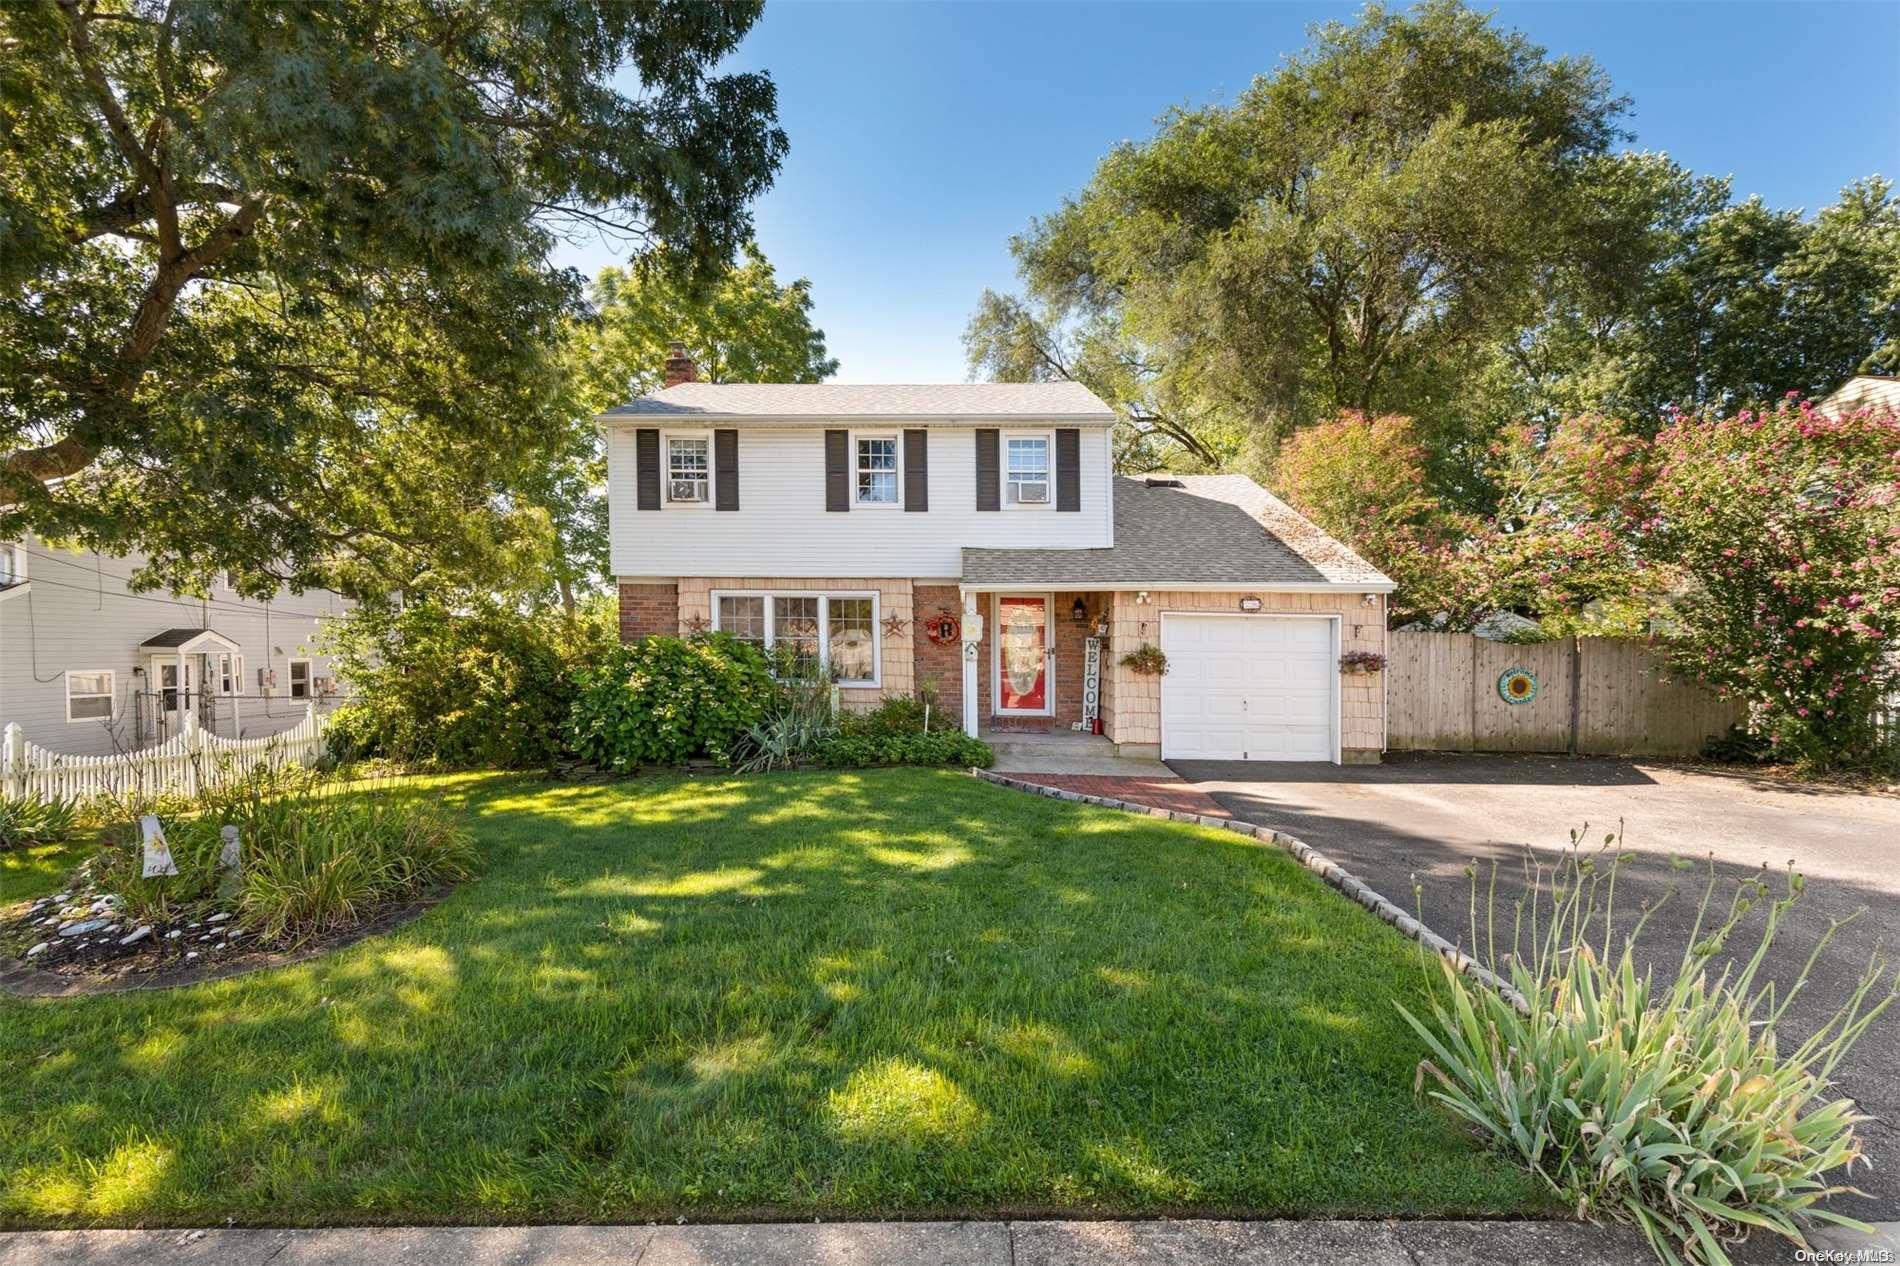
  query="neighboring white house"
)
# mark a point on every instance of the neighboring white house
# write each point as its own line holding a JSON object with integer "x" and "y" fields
{"x": 1864, "y": 391}
{"x": 90, "y": 667}
{"x": 975, "y": 537}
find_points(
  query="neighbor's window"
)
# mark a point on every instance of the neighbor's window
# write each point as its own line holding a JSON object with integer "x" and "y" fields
{"x": 1029, "y": 470}
{"x": 835, "y": 629}
{"x": 299, "y": 679}
{"x": 688, "y": 468}
{"x": 877, "y": 471}
{"x": 9, "y": 565}
{"x": 743, "y": 616}
{"x": 89, "y": 695}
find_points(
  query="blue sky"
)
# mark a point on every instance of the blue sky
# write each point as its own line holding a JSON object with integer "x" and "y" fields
{"x": 924, "y": 134}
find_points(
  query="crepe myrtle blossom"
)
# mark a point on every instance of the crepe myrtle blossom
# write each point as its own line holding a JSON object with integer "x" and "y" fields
{"x": 1782, "y": 523}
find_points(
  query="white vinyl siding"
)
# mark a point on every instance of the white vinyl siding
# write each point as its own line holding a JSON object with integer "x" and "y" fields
{"x": 782, "y": 528}
{"x": 837, "y": 629}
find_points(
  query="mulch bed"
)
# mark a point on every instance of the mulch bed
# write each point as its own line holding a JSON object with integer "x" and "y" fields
{"x": 193, "y": 949}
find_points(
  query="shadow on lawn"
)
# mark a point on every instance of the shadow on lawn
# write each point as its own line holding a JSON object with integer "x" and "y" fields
{"x": 815, "y": 993}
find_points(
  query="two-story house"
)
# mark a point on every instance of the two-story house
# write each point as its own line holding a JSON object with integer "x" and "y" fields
{"x": 89, "y": 666}
{"x": 975, "y": 536}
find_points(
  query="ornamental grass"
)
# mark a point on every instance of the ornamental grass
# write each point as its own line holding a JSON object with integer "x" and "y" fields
{"x": 1682, "y": 1107}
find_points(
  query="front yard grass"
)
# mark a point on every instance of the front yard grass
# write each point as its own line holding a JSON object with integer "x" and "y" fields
{"x": 888, "y": 993}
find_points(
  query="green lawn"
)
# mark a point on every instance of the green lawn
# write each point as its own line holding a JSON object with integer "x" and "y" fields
{"x": 863, "y": 994}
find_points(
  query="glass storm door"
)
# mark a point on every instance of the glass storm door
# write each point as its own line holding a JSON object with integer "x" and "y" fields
{"x": 1022, "y": 652}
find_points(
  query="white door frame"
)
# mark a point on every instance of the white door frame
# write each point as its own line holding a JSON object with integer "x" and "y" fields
{"x": 1336, "y": 620}
{"x": 995, "y": 631}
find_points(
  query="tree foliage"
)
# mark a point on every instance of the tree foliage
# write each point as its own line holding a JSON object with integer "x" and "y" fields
{"x": 1352, "y": 233}
{"x": 274, "y": 280}
{"x": 1785, "y": 523}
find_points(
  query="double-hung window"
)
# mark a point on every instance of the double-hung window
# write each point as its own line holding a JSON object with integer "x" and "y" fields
{"x": 877, "y": 470}
{"x": 1028, "y": 470}
{"x": 89, "y": 695}
{"x": 299, "y": 679}
{"x": 688, "y": 469}
{"x": 12, "y": 572}
{"x": 807, "y": 629}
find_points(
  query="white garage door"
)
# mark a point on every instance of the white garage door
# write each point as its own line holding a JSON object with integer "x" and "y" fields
{"x": 1248, "y": 687}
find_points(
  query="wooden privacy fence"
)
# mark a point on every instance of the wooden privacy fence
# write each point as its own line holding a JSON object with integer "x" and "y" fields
{"x": 1595, "y": 696}
{"x": 190, "y": 761}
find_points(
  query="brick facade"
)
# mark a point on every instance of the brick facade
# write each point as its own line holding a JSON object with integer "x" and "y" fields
{"x": 648, "y": 609}
{"x": 941, "y": 664}
{"x": 1134, "y": 719}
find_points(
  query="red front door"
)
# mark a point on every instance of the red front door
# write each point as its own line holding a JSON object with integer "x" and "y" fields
{"x": 1022, "y": 642}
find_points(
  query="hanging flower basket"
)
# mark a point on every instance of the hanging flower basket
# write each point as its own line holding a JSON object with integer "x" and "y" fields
{"x": 1147, "y": 660}
{"x": 1361, "y": 662}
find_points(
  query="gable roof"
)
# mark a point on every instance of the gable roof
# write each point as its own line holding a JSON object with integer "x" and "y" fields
{"x": 781, "y": 401}
{"x": 1209, "y": 530}
{"x": 188, "y": 640}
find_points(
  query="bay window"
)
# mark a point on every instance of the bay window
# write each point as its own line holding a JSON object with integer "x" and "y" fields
{"x": 836, "y": 629}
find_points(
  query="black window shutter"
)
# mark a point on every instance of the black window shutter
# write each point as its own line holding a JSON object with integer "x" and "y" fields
{"x": 989, "y": 495}
{"x": 726, "y": 470}
{"x": 646, "y": 473}
{"x": 917, "y": 470}
{"x": 837, "y": 472}
{"x": 1068, "y": 470}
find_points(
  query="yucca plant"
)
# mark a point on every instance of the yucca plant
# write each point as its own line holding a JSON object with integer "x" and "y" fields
{"x": 1672, "y": 1107}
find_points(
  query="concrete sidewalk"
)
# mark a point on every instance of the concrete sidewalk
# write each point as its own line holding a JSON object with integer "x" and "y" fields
{"x": 1170, "y": 1243}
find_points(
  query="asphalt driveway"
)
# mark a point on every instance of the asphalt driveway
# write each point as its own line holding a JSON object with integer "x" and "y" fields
{"x": 1429, "y": 817}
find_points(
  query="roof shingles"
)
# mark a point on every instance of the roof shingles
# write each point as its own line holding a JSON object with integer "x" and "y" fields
{"x": 1213, "y": 529}
{"x": 779, "y": 401}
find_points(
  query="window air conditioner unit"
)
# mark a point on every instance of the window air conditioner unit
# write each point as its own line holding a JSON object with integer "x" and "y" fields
{"x": 688, "y": 490}
{"x": 1032, "y": 493}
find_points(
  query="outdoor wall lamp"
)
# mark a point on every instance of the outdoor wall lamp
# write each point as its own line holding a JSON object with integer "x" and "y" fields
{"x": 1079, "y": 612}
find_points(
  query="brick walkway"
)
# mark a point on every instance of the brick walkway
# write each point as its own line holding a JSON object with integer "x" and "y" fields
{"x": 1160, "y": 791}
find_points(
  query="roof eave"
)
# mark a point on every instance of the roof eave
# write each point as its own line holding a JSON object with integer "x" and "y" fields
{"x": 1175, "y": 586}
{"x": 822, "y": 419}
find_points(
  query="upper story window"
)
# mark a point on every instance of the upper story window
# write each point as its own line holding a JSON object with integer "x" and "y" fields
{"x": 877, "y": 470}
{"x": 12, "y": 564}
{"x": 688, "y": 468}
{"x": 1027, "y": 477}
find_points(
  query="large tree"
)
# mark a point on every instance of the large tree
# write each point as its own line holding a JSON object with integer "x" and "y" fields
{"x": 1357, "y": 231}
{"x": 275, "y": 292}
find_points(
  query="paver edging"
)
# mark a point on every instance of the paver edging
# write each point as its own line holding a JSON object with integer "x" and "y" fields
{"x": 1326, "y": 868}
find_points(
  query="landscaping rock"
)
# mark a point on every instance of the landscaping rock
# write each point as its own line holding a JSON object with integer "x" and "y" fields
{"x": 190, "y": 954}
{"x": 136, "y": 937}
{"x": 173, "y": 935}
{"x": 219, "y": 917}
{"x": 39, "y": 949}
{"x": 81, "y": 929}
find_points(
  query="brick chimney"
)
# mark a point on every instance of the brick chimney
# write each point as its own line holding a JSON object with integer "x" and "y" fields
{"x": 679, "y": 366}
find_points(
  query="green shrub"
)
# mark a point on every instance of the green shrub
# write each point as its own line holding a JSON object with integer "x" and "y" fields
{"x": 27, "y": 823}
{"x": 897, "y": 714}
{"x": 664, "y": 700}
{"x": 1676, "y": 1109}
{"x": 939, "y": 747}
{"x": 433, "y": 686}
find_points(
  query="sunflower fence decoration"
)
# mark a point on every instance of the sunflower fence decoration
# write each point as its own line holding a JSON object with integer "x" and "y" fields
{"x": 1517, "y": 685}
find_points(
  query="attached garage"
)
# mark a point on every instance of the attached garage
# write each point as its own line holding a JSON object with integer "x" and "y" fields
{"x": 1250, "y": 687}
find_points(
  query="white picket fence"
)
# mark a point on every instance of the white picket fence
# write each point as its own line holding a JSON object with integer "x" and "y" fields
{"x": 189, "y": 761}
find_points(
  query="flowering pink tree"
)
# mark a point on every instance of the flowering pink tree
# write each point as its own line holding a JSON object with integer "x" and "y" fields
{"x": 1784, "y": 524}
